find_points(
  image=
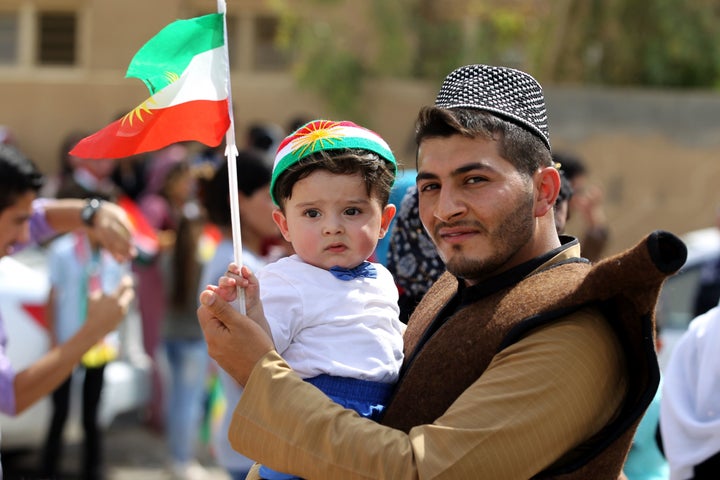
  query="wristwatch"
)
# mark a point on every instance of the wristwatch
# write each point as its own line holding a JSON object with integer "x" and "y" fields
{"x": 88, "y": 212}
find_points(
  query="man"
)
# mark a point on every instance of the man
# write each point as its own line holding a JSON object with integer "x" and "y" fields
{"x": 25, "y": 219}
{"x": 588, "y": 204}
{"x": 562, "y": 204}
{"x": 522, "y": 361}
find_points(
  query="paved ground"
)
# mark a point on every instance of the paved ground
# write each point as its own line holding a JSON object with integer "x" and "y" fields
{"x": 132, "y": 452}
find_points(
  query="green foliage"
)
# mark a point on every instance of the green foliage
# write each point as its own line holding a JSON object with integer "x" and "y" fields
{"x": 660, "y": 43}
{"x": 441, "y": 47}
{"x": 395, "y": 54}
{"x": 338, "y": 76}
{"x": 682, "y": 54}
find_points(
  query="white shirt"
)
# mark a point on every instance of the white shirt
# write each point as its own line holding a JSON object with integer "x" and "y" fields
{"x": 690, "y": 405}
{"x": 324, "y": 325}
{"x": 70, "y": 262}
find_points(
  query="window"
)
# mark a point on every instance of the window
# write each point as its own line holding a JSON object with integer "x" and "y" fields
{"x": 8, "y": 38}
{"x": 57, "y": 38}
{"x": 267, "y": 56}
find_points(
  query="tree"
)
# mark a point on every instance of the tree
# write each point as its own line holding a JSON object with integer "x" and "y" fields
{"x": 660, "y": 43}
{"x": 336, "y": 45}
{"x": 414, "y": 39}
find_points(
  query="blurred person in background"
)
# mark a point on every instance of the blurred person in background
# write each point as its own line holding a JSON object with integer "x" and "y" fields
{"x": 64, "y": 166}
{"x": 297, "y": 121}
{"x": 185, "y": 361}
{"x": 562, "y": 204}
{"x": 413, "y": 259}
{"x": 404, "y": 180}
{"x": 264, "y": 137}
{"x": 169, "y": 186}
{"x": 689, "y": 419}
{"x": 587, "y": 205}
{"x": 25, "y": 219}
{"x": 129, "y": 175}
{"x": 78, "y": 269}
{"x": 87, "y": 177}
{"x": 256, "y": 228}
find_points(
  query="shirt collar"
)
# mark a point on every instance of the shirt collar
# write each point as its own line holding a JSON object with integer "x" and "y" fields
{"x": 569, "y": 250}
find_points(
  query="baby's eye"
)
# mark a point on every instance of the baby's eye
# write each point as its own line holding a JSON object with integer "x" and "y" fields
{"x": 352, "y": 211}
{"x": 311, "y": 213}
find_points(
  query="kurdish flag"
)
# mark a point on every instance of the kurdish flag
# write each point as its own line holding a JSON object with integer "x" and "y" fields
{"x": 185, "y": 67}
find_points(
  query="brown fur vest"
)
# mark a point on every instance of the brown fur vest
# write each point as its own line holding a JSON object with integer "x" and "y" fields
{"x": 625, "y": 287}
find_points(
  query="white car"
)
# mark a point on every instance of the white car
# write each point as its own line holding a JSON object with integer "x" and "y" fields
{"x": 24, "y": 288}
{"x": 676, "y": 304}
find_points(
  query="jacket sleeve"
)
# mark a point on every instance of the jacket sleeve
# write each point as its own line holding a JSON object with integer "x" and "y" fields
{"x": 539, "y": 398}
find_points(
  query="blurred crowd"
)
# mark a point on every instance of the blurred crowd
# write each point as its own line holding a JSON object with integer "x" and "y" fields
{"x": 178, "y": 200}
{"x": 179, "y": 196}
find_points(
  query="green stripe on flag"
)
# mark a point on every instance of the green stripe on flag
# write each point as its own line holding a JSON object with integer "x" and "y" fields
{"x": 165, "y": 57}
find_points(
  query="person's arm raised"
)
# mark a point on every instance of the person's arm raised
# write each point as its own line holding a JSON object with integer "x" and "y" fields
{"x": 109, "y": 222}
{"x": 42, "y": 377}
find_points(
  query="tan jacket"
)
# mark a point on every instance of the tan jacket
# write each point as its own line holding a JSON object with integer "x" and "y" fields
{"x": 545, "y": 393}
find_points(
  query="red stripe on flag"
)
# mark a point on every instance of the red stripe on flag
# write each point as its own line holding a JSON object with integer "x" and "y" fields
{"x": 144, "y": 236}
{"x": 204, "y": 121}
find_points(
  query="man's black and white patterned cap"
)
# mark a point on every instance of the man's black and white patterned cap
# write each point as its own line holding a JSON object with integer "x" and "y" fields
{"x": 507, "y": 92}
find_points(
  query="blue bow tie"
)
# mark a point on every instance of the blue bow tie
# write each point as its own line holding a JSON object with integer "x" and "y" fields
{"x": 365, "y": 269}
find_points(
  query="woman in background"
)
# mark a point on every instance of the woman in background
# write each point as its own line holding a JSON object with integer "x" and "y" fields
{"x": 256, "y": 228}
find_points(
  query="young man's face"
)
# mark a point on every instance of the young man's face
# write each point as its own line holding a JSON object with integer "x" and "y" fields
{"x": 476, "y": 206}
{"x": 15, "y": 223}
{"x": 332, "y": 221}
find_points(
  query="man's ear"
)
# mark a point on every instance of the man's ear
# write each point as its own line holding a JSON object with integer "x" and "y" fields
{"x": 387, "y": 215}
{"x": 547, "y": 184}
{"x": 280, "y": 220}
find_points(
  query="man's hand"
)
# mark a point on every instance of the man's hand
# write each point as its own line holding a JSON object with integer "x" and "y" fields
{"x": 113, "y": 231}
{"x": 234, "y": 340}
{"x": 105, "y": 312}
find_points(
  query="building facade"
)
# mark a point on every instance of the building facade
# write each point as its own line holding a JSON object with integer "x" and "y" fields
{"x": 62, "y": 67}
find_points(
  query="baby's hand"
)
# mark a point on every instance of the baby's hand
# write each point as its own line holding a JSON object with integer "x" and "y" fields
{"x": 228, "y": 283}
{"x": 243, "y": 278}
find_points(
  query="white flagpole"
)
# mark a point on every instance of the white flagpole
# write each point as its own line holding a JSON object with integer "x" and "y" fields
{"x": 231, "y": 152}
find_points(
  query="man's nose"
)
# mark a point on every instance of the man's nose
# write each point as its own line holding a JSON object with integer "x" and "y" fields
{"x": 449, "y": 205}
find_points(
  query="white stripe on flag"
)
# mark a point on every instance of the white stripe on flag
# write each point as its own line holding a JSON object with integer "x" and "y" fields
{"x": 205, "y": 78}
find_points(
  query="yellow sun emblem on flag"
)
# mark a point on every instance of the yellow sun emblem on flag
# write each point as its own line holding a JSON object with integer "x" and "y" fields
{"x": 317, "y": 134}
{"x": 137, "y": 112}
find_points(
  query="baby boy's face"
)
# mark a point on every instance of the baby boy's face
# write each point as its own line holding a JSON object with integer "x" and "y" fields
{"x": 332, "y": 221}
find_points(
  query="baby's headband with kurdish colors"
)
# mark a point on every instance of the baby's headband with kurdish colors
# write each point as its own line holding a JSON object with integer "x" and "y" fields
{"x": 320, "y": 135}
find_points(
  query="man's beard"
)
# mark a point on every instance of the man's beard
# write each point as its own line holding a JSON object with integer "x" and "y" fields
{"x": 512, "y": 234}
